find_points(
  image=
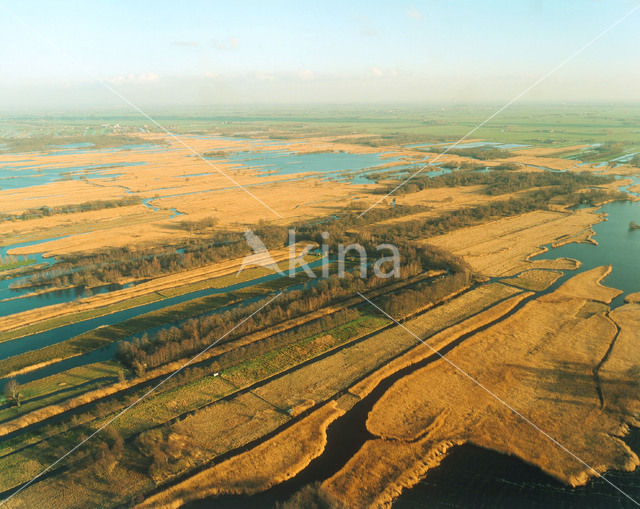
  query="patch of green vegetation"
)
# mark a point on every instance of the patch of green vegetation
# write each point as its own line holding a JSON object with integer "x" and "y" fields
{"x": 55, "y": 388}
{"x": 306, "y": 348}
{"x": 197, "y": 390}
{"x": 552, "y": 125}
{"x": 192, "y": 393}
{"x": 10, "y": 264}
{"x": 165, "y": 405}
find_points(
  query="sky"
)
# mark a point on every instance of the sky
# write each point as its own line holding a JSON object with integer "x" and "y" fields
{"x": 74, "y": 54}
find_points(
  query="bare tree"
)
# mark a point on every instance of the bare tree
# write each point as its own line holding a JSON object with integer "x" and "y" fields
{"x": 12, "y": 391}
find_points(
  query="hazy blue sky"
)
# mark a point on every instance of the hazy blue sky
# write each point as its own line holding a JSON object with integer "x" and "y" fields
{"x": 214, "y": 52}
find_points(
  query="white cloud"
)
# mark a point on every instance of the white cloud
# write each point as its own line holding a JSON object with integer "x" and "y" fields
{"x": 264, "y": 76}
{"x": 365, "y": 26}
{"x": 305, "y": 74}
{"x": 230, "y": 43}
{"x": 377, "y": 72}
{"x": 413, "y": 13}
{"x": 185, "y": 44}
{"x": 135, "y": 79}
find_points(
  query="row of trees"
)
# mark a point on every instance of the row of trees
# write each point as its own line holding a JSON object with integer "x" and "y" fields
{"x": 535, "y": 200}
{"x": 481, "y": 153}
{"x": 178, "y": 342}
{"x": 115, "y": 264}
{"x": 498, "y": 182}
{"x": 406, "y": 302}
{"x": 71, "y": 209}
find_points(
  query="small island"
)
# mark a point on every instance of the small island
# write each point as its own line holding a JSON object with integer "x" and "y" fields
{"x": 634, "y": 226}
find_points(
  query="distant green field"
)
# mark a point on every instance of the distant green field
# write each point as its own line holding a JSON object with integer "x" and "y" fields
{"x": 531, "y": 124}
{"x": 526, "y": 124}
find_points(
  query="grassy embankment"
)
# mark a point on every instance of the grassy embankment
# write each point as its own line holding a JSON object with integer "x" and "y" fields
{"x": 139, "y": 297}
{"x": 104, "y": 336}
{"x": 379, "y": 347}
{"x": 271, "y": 363}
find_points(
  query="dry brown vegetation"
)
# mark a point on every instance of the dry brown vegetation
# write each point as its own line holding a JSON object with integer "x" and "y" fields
{"x": 585, "y": 236}
{"x": 460, "y": 309}
{"x": 620, "y": 373}
{"x": 563, "y": 358}
{"x": 548, "y": 151}
{"x": 267, "y": 464}
{"x": 503, "y": 247}
{"x": 536, "y": 279}
{"x": 366, "y": 481}
{"x": 174, "y": 178}
{"x": 538, "y": 362}
{"x": 633, "y": 298}
{"x": 319, "y": 381}
{"x": 587, "y": 286}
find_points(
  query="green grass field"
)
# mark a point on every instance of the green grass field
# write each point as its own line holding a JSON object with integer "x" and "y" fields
{"x": 10, "y": 265}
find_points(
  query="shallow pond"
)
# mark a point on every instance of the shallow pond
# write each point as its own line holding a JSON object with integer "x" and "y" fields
{"x": 330, "y": 164}
{"x": 617, "y": 246}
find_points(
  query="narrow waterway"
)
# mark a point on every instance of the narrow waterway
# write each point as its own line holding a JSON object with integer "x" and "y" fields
{"x": 59, "y": 334}
{"x": 473, "y": 477}
{"x": 470, "y": 476}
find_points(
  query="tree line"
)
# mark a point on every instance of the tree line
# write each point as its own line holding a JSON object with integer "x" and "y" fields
{"x": 45, "y": 211}
{"x": 498, "y": 182}
{"x": 115, "y": 264}
{"x": 191, "y": 337}
{"x": 481, "y": 153}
